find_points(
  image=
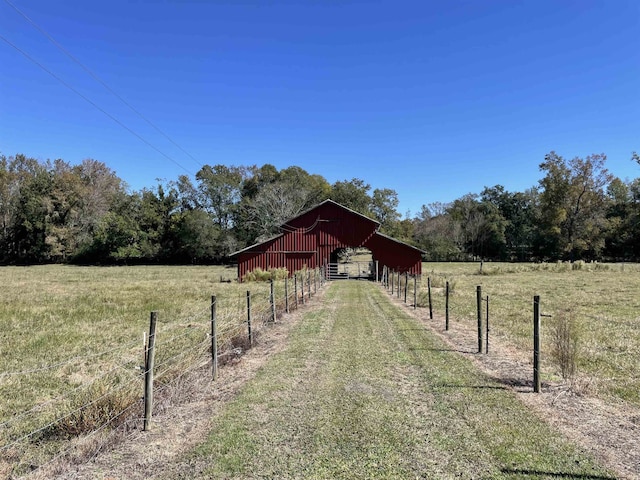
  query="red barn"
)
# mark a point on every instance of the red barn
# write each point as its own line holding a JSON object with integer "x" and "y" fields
{"x": 314, "y": 238}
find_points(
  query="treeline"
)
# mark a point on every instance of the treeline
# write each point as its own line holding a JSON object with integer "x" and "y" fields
{"x": 578, "y": 210}
{"x": 53, "y": 211}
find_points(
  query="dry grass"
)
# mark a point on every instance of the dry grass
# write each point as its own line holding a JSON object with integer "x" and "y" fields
{"x": 604, "y": 300}
{"x": 71, "y": 335}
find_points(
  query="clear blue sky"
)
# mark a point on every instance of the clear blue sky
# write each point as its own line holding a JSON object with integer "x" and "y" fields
{"x": 434, "y": 99}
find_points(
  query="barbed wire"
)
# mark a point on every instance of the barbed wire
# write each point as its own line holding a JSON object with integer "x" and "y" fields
{"x": 64, "y": 396}
{"x": 67, "y": 361}
{"x": 67, "y": 415}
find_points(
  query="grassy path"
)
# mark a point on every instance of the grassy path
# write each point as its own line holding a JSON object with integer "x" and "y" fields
{"x": 363, "y": 391}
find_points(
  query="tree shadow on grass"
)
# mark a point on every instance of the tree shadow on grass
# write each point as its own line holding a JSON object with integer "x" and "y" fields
{"x": 536, "y": 473}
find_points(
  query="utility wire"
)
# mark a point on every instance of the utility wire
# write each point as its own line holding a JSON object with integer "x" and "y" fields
{"x": 99, "y": 80}
{"x": 142, "y": 139}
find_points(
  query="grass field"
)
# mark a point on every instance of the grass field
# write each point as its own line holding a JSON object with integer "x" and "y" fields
{"x": 603, "y": 299}
{"x": 61, "y": 327}
{"x": 364, "y": 391}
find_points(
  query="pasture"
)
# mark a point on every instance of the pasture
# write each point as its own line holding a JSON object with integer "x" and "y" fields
{"x": 603, "y": 299}
{"x": 68, "y": 330}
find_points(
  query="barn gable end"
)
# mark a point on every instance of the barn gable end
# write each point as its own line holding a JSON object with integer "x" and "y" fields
{"x": 309, "y": 239}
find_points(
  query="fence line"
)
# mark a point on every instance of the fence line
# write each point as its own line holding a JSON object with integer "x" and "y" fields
{"x": 25, "y": 437}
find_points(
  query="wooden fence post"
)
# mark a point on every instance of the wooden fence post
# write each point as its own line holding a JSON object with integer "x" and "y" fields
{"x": 214, "y": 338}
{"x": 430, "y": 304}
{"x": 295, "y": 288}
{"x": 272, "y": 299}
{"x": 302, "y": 286}
{"x": 406, "y": 285}
{"x": 446, "y": 306}
{"x": 536, "y": 344}
{"x": 315, "y": 280}
{"x": 399, "y": 284}
{"x": 148, "y": 371}
{"x": 392, "y": 283}
{"x": 250, "y": 335}
{"x": 479, "y": 312}
{"x": 309, "y": 283}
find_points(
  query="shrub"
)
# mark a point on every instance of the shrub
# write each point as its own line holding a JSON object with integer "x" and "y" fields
{"x": 566, "y": 334}
{"x": 259, "y": 275}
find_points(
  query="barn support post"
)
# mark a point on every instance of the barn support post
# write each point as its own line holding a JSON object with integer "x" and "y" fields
{"x": 536, "y": 344}
{"x": 148, "y": 371}
{"x": 214, "y": 339}
{"x": 272, "y": 300}
{"x": 249, "y": 334}
{"x": 479, "y": 312}
{"x": 377, "y": 278}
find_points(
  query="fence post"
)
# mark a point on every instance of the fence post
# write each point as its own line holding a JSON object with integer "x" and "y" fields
{"x": 302, "y": 286}
{"x": 415, "y": 292}
{"x": 486, "y": 329}
{"x": 315, "y": 280}
{"x": 309, "y": 283}
{"x": 214, "y": 338}
{"x": 479, "y": 312}
{"x": 536, "y": 344}
{"x": 286, "y": 294}
{"x": 406, "y": 285}
{"x": 272, "y": 300}
{"x": 377, "y": 279}
{"x": 446, "y": 306}
{"x": 295, "y": 288}
{"x": 392, "y": 277}
{"x": 249, "y": 319}
{"x": 399, "y": 284}
{"x": 430, "y": 304}
{"x": 148, "y": 371}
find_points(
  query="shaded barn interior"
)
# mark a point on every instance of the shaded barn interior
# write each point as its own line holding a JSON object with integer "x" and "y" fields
{"x": 314, "y": 238}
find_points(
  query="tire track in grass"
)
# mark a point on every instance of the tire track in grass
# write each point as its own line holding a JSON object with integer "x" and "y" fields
{"x": 362, "y": 391}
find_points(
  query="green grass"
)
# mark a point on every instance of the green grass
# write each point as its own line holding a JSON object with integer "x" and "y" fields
{"x": 605, "y": 300}
{"x": 364, "y": 391}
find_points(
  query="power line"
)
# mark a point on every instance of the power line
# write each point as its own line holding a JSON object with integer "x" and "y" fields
{"x": 99, "y": 80}
{"x": 86, "y": 99}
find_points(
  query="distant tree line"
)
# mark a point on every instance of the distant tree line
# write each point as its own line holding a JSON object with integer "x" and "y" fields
{"x": 53, "y": 211}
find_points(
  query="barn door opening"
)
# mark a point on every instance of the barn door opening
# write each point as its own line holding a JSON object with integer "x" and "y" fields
{"x": 351, "y": 263}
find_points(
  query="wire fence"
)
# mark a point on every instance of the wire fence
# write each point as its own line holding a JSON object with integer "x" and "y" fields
{"x": 546, "y": 338}
{"x": 73, "y": 426}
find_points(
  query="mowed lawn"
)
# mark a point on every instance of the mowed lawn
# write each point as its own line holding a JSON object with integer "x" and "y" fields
{"x": 364, "y": 391}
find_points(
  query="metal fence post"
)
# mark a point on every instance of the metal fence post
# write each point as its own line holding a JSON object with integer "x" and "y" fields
{"x": 148, "y": 371}
{"x": 214, "y": 338}
{"x": 536, "y": 344}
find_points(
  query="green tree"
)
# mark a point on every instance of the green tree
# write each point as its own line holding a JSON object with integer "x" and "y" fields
{"x": 384, "y": 207}
{"x": 353, "y": 194}
{"x": 573, "y": 207}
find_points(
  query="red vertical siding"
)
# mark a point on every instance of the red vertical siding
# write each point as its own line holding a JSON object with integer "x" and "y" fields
{"x": 310, "y": 239}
